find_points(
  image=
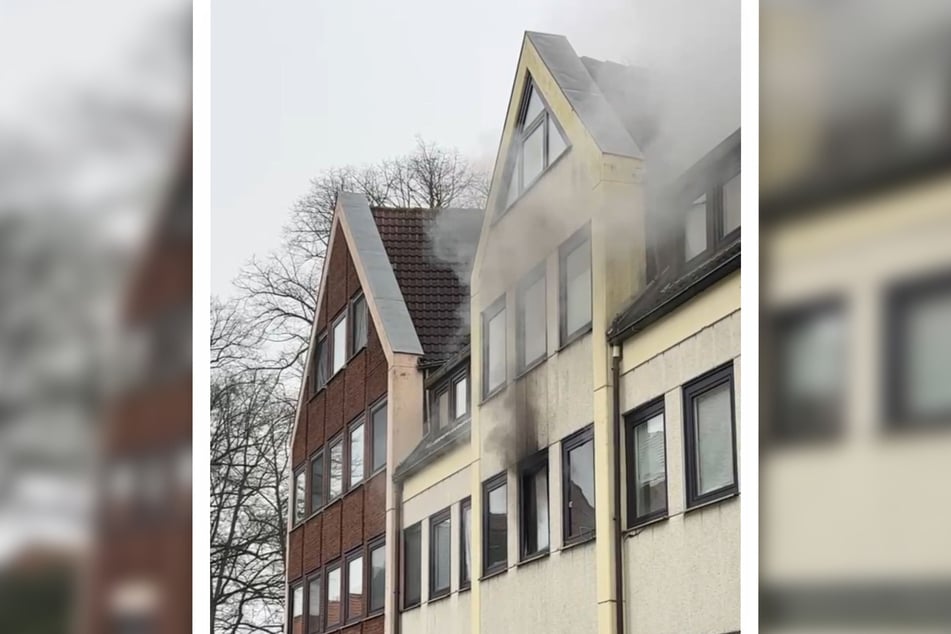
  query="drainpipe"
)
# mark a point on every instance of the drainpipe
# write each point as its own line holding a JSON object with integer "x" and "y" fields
{"x": 396, "y": 548}
{"x": 618, "y": 534}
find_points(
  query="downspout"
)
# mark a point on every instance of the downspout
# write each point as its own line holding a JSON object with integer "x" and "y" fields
{"x": 618, "y": 534}
{"x": 397, "y": 547}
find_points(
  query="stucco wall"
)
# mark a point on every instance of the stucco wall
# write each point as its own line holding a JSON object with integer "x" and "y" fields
{"x": 446, "y": 616}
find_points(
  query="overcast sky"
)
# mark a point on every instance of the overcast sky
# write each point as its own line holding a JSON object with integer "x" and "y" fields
{"x": 299, "y": 86}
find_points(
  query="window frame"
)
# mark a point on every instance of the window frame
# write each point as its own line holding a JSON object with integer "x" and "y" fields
{"x": 349, "y": 484}
{"x": 569, "y": 444}
{"x": 291, "y": 588}
{"x": 416, "y": 528}
{"x": 434, "y": 423}
{"x": 495, "y": 482}
{"x": 632, "y": 420}
{"x": 899, "y": 297}
{"x": 716, "y": 235}
{"x": 490, "y": 313}
{"x": 444, "y": 515}
{"x": 458, "y": 377}
{"x": 297, "y": 520}
{"x": 343, "y": 316}
{"x": 524, "y": 364}
{"x": 317, "y": 575}
{"x": 372, "y": 546}
{"x": 348, "y": 558}
{"x": 317, "y": 455}
{"x": 320, "y": 364}
{"x": 337, "y": 439}
{"x": 528, "y": 469}
{"x": 353, "y": 348}
{"x": 565, "y": 249}
{"x": 337, "y": 564}
{"x": 693, "y": 389}
{"x": 380, "y": 404}
{"x": 465, "y": 580}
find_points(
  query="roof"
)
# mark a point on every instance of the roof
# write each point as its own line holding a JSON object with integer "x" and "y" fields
{"x": 429, "y": 252}
{"x": 584, "y": 94}
{"x": 431, "y": 447}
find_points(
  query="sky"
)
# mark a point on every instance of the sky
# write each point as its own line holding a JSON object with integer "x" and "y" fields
{"x": 302, "y": 86}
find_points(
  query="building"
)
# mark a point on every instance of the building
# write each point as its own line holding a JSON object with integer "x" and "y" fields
{"x": 388, "y": 311}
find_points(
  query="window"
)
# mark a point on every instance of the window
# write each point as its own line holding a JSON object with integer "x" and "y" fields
{"x": 356, "y": 453}
{"x": 578, "y": 485}
{"x": 919, "y": 351}
{"x": 378, "y": 440}
{"x": 336, "y": 469}
{"x": 439, "y": 409}
{"x": 313, "y": 604}
{"x": 297, "y": 609}
{"x": 358, "y": 308}
{"x": 713, "y": 218}
{"x": 334, "y": 590}
{"x": 320, "y": 371}
{"x": 709, "y": 436}
{"x": 538, "y": 142}
{"x": 495, "y": 524}
{"x": 412, "y": 555}
{"x": 300, "y": 496}
{"x": 440, "y": 554}
{"x": 465, "y": 544}
{"x": 646, "y": 463}
{"x": 530, "y": 321}
{"x": 377, "y": 589}
{"x": 810, "y": 371}
{"x": 460, "y": 401}
{"x": 695, "y": 232}
{"x": 534, "y": 501}
{"x": 339, "y": 343}
{"x": 317, "y": 482}
{"x": 574, "y": 265}
{"x": 354, "y": 605}
{"x": 731, "y": 205}
{"x": 493, "y": 347}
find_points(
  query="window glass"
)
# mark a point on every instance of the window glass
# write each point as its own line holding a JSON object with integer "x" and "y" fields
{"x": 533, "y": 322}
{"x": 731, "y": 205}
{"x": 359, "y": 323}
{"x": 461, "y": 396}
{"x": 378, "y": 419}
{"x": 340, "y": 344}
{"x": 497, "y": 527}
{"x": 440, "y": 552}
{"x": 580, "y": 492}
{"x": 534, "y": 107}
{"x": 466, "y": 542}
{"x": 317, "y": 483}
{"x": 377, "y": 578}
{"x": 300, "y": 496}
{"x": 442, "y": 409}
{"x": 356, "y": 454}
{"x": 714, "y": 432}
{"x": 297, "y": 610}
{"x": 577, "y": 265}
{"x": 334, "y": 613}
{"x": 321, "y": 370}
{"x": 533, "y": 155}
{"x": 535, "y": 511}
{"x": 927, "y": 355}
{"x": 556, "y": 142}
{"x": 336, "y": 470}
{"x": 695, "y": 232}
{"x": 412, "y": 555}
{"x": 313, "y": 601}
{"x": 650, "y": 467}
{"x": 355, "y": 588}
{"x": 496, "y": 351}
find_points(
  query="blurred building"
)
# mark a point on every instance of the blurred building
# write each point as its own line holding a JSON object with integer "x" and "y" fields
{"x": 140, "y": 576}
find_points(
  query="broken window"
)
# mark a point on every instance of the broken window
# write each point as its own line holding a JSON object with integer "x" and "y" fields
{"x": 578, "y": 483}
{"x": 534, "y": 498}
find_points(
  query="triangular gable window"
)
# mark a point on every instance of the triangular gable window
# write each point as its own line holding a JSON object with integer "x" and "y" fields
{"x": 537, "y": 142}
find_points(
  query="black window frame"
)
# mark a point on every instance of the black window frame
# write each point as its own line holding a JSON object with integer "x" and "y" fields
{"x": 349, "y": 484}
{"x": 348, "y": 558}
{"x": 320, "y": 363}
{"x": 318, "y": 576}
{"x": 416, "y": 529}
{"x": 298, "y": 519}
{"x": 465, "y": 569}
{"x": 435, "y": 422}
{"x": 566, "y": 248}
{"x": 526, "y": 512}
{"x": 495, "y": 482}
{"x": 372, "y": 448}
{"x": 321, "y": 490}
{"x": 458, "y": 377}
{"x": 343, "y": 315}
{"x": 691, "y": 390}
{"x": 337, "y": 564}
{"x": 490, "y": 313}
{"x": 717, "y": 237}
{"x": 524, "y": 364}
{"x": 337, "y": 439}
{"x": 632, "y": 420}
{"x": 444, "y": 515}
{"x": 372, "y": 546}
{"x": 569, "y": 444}
{"x": 899, "y": 297}
{"x": 354, "y": 345}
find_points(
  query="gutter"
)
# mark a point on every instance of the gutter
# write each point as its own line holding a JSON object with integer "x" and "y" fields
{"x": 618, "y": 534}
{"x": 397, "y": 585}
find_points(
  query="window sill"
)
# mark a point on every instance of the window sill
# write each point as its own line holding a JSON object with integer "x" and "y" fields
{"x": 315, "y": 394}
{"x": 632, "y": 531}
{"x": 410, "y": 608}
{"x": 531, "y": 366}
{"x": 354, "y": 355}
{"x": 440, "y": 597}
{"x": 578, "y": 334}
{"x": 491, "y": 395}
{"x": 465, "y": 588}
{"x": 494, "y": 573}
{"x": 728, "y": 495}
{"x": 579, "y": 541}
{"x": 530, "y": 559}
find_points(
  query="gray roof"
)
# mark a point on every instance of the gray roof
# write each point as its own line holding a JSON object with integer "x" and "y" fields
{"x": 584, "y": 95}
{"x": 381, "y": 280}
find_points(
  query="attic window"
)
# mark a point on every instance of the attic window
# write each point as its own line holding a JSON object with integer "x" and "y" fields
{"x": 538, "y": 142}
